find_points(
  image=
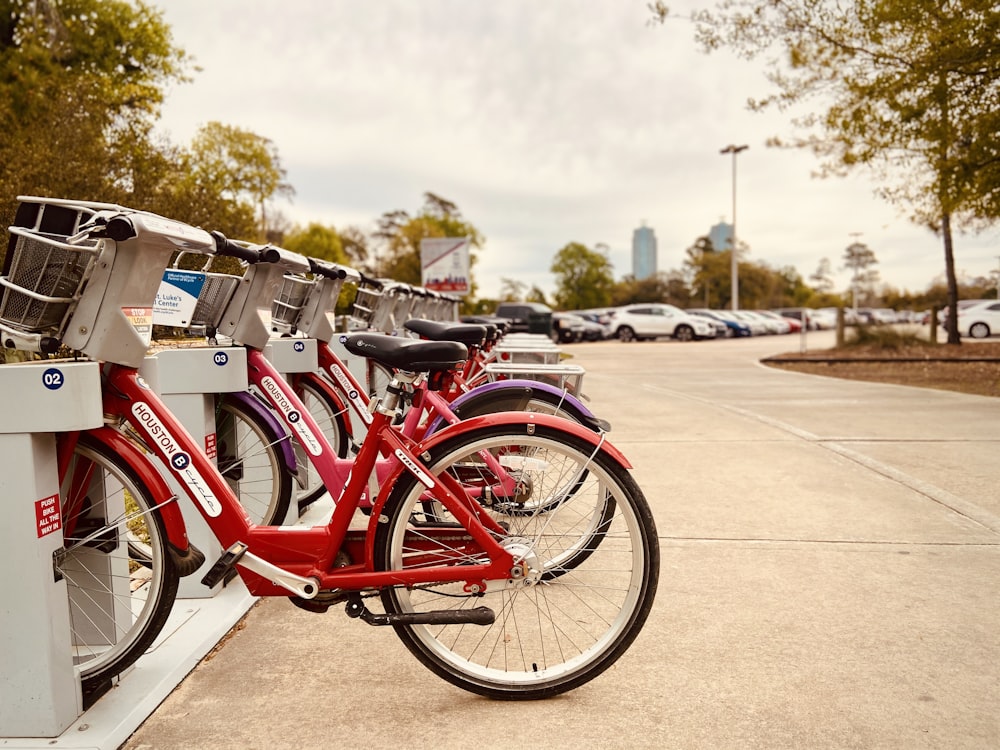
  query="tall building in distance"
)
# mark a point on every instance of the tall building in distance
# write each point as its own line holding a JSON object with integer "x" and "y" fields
{"x": 643, "y": 252}
{"x": 721, "y": 237}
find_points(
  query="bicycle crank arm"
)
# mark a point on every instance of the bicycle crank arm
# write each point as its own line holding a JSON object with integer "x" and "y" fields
{"x": 307, "y": 588}
{"x": 475, "y": 616}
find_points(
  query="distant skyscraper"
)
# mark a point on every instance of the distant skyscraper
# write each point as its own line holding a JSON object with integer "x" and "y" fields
{"x": 643, "y": 252}
{"x": 721, "y": 236}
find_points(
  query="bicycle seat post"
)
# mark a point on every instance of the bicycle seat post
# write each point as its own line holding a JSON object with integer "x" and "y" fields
{"x": 389, "y": 403}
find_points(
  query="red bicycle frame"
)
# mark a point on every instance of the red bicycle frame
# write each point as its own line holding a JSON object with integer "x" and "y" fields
{"x": 283, "y": 560}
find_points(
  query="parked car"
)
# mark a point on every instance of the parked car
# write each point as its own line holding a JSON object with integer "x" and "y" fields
{"x": 757, "y": 326}
{"x": 592, "y": 330}
{"x": 722, "y": 329}
{"x": 962, "y": 305}
{"x": 825, "y": 318}
{"x": 526, "y": 317}
{"x": 801, "y": 314}
{"x": 883, "y": 316}
{"x": 784, "y": 325}
{"x": 734, "y": 328}
{"x": 567, "y": 327}
{"x": 980, "y": 321}
{"x": 657, "y": 320}
{"x": 601, "y": 318}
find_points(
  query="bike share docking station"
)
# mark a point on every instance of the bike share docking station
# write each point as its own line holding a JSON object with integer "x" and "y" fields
{"x": 290, "y": 356}
{"x": 187, "y": 380}
{"x": 40, "y": 694}
{"x": 41, "y": 701}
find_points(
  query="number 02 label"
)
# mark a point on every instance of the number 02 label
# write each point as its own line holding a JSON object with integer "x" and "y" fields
{"x": 53, "y": 379}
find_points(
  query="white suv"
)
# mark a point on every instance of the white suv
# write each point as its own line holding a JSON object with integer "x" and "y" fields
{"x": 653, "y": 320}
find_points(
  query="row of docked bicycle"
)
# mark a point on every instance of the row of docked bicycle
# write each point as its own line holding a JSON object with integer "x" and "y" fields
{"x": 490, "y": 522}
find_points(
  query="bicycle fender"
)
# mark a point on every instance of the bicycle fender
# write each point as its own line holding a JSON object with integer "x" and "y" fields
{"x": 514, "y": 392}
{"x": 489, "y": 420}
{"x": 267, "y": 417}
{"x": 186, "y": 556}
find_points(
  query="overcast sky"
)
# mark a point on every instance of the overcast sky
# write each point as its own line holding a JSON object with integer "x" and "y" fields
{"x": 546, "y": 122}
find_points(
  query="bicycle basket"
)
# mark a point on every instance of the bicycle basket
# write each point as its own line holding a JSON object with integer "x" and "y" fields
{"x": 291, "y": 297}
{"x": 213, "y": 298}
{"x": 365, "y": 303}
{"x": 43, "y": 278}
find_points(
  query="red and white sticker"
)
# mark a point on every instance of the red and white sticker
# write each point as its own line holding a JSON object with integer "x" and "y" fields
{"x": 211, "y": 446}
{"x": 47, "y": 517}
{"x": 141, "y": 319}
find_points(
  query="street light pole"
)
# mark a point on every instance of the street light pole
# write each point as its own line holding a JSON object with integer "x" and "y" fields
{"x": 734, "y": 150}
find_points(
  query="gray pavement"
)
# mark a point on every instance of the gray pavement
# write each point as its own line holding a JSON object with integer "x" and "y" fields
{"x": 830, "y": 578}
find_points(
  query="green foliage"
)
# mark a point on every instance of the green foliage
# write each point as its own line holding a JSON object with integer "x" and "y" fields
{"x": 237, "y": 165}
{"x": 400, "y": 235}
{"x": 887, "y": 338}
{"x": 911, "y": 91}
{"x": 630, "y": 290}
{"x": 512, "y": 290}
{"x": 316, "y": 241}
{"x": 80, "y": 83}
{"x": 583, "y": 278}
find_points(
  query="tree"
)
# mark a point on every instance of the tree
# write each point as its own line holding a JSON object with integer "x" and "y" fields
{"x": 629, "y": 290}
{"x": 317, "y": 241}
{"x": 700, "y": 267}
{"x": 821, "y": 278}
{"x": 356, "y": 247}
{"x": 860, "y": 259}
{"x": 239, "y": 165}
{"x": 81, "y": 82}
{"x": 583, "y": 278}
{"x": 912, "y": 92}
{"x": 401, "y": 234}
{"x": 512, "y": 290}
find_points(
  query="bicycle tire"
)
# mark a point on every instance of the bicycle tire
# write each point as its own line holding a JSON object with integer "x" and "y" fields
{"x": 378, "y": 377}
{"x": 250, "y": 459}
{"x": 573, "y": 622}
{"x": 329, "y": 415}
{"x": 537, "y": 401}
{"x": 118, "y": 605}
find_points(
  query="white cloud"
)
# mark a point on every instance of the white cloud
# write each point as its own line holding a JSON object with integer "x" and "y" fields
{"x": 545, "y": 123}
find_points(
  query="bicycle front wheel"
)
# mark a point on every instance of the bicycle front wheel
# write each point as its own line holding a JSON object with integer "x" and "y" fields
{"x": 118, "y": 604}
{"x": 594, "y": 572}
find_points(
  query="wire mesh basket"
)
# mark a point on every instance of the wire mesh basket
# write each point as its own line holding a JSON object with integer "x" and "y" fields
{"x": 213, "y": 298}
{"x": 365, "y": 303}
{"x": 291, "y": 297}
{"x": 43, "y": 279}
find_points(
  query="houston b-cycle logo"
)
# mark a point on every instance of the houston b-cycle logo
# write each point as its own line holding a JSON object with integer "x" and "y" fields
{"x": 278, "y": 398}
{"x": 352, "y": 392}
{"x": 179, "y": 460}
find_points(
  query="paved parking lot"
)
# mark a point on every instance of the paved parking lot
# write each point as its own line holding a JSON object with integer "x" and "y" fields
{"x": 830, "y": 579}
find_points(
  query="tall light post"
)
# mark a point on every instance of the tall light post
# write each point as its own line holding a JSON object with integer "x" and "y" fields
{"x": 734, "y": 150}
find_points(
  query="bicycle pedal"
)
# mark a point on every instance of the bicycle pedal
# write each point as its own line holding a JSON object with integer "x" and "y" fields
{"x": 224, "y": 564}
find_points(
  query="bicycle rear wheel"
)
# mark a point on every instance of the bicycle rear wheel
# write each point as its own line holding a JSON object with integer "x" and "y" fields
{"x": 595, "y": 573}
{"x": 118, "y": 604}
{"x": 250, "y": 459}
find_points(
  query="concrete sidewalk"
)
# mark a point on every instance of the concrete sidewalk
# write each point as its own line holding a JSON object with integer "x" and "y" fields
{"x": 830, "y": 578}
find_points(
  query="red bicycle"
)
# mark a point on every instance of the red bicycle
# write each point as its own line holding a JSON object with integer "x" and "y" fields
{"x": 464, "y": 572}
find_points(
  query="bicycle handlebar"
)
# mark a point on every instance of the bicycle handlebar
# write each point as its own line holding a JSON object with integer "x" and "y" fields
{"x": 329, "y": 270}
{"x": 249, "y": 253}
